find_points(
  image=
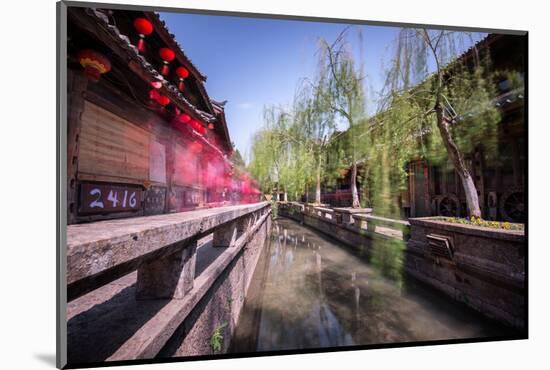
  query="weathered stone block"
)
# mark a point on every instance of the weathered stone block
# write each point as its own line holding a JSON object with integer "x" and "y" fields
{"x": 170, "y": 276}
{"x": 245, "y": 223}
{"x": 226, "y": 235}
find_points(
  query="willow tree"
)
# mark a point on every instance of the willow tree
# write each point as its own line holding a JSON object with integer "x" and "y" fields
{"x": 296, "y": 168}
{"x": 314, "y": 127}
{"x": 343, "y": 93}
{"x": 262, "y": 166}
{"x": 267, "y": 150}
{"x": 280, "y": 159}
{"x": 456, "y": 98}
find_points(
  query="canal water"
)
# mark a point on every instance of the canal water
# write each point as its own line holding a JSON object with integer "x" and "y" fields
{"x": 309, "y": 291}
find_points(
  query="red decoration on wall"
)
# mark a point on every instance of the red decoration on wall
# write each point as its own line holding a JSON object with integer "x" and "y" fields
{"x": 181, "y": 86}
{"x": 195, "y": 147}
{"x": 185, "y": 118}
{"x": 156, "y": 84}
{"x": 95, "y": 64}
{"x": 196, "y": 125}
{"x": 167, "y": 55}
{"x": 144, "y": 28}
{"x": 163, "y": 100}
{"x": 200, "y": 129}
{"x": 154, "y": 95}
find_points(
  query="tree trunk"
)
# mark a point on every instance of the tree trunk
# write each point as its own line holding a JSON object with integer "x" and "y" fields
{"x": 318, "y": 186}
{"x": 285, "y": 195}
{"x": 307, "y": 193}
{"x": 472, "y": 200}
{"x": 353, "y": 182}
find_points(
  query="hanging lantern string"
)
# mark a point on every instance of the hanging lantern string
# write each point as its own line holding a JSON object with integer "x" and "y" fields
{"x": 167, "y": 55}
{"x": 117, "y": 41}
{"x": 171, "y": 56}
{"x": 182, "y": 73}
{"x": 144, "y": 28}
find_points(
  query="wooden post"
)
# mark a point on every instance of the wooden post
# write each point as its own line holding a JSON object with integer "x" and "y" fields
{"x": 78, "y": 85}
{"x": 412, "y": 187}
{"x": 168, "y": 277}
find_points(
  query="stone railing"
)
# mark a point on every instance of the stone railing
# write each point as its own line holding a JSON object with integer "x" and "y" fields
{"x": 383, "y": 226}
{"x": 358, "y": 220}
{"x": 163, "y": 251}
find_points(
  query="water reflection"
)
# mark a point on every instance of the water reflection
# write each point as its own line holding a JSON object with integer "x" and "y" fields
{"x": 318, "y": 294}
{"x": 388, "y": 257}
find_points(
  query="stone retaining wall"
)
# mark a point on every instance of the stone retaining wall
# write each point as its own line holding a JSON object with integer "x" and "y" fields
{"x": 480, "y": 267}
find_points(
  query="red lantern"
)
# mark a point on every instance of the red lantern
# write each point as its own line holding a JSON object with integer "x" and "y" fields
{"x": 154, "y": 95}
{"x": 163, "y": 100}
{"x": 181, "y": 86}
{"x": 182, "y": 73}
{"x": 195, "y": 147}
{"x": 167, "y": 55}
{"x": 94, "y": 63}
{"x": 144, "y": 28}
{"x": 156, "y": 84}
{"x": 211, "y": 126}
{"x": 184, "y": 118}
{"x": 195, "y": 124}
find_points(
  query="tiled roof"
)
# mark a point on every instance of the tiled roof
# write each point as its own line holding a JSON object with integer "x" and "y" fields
{"x": 133, "y": 54}
{"x": 202, "y": 76}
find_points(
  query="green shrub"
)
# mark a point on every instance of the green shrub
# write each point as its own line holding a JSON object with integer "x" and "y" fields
{"x": 216, "y": 340}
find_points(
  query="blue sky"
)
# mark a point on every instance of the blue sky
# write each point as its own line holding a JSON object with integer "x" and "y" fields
{"x": 257, "y": 62}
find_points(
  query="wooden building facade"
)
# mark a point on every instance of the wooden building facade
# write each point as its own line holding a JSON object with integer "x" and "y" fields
{"x": 144, "y": 137}
{"x": 437, "y": 190}
{"x": 500, "y": 181}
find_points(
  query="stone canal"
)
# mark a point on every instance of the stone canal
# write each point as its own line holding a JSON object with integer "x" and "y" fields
{"x": 309, "y": 291}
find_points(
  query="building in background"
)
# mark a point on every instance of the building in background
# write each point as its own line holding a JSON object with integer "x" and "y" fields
{"x": 436, "y": 189}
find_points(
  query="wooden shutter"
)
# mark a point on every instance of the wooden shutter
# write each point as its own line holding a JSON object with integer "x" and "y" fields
{"x": 185, "y": 166}
{"x": 111, "y": 148}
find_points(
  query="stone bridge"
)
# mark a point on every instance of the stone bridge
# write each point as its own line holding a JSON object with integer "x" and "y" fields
{"x": 160, "y": 286}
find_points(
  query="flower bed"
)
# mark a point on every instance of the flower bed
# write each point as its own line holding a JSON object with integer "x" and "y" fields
{"x": 483, "y": 223}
